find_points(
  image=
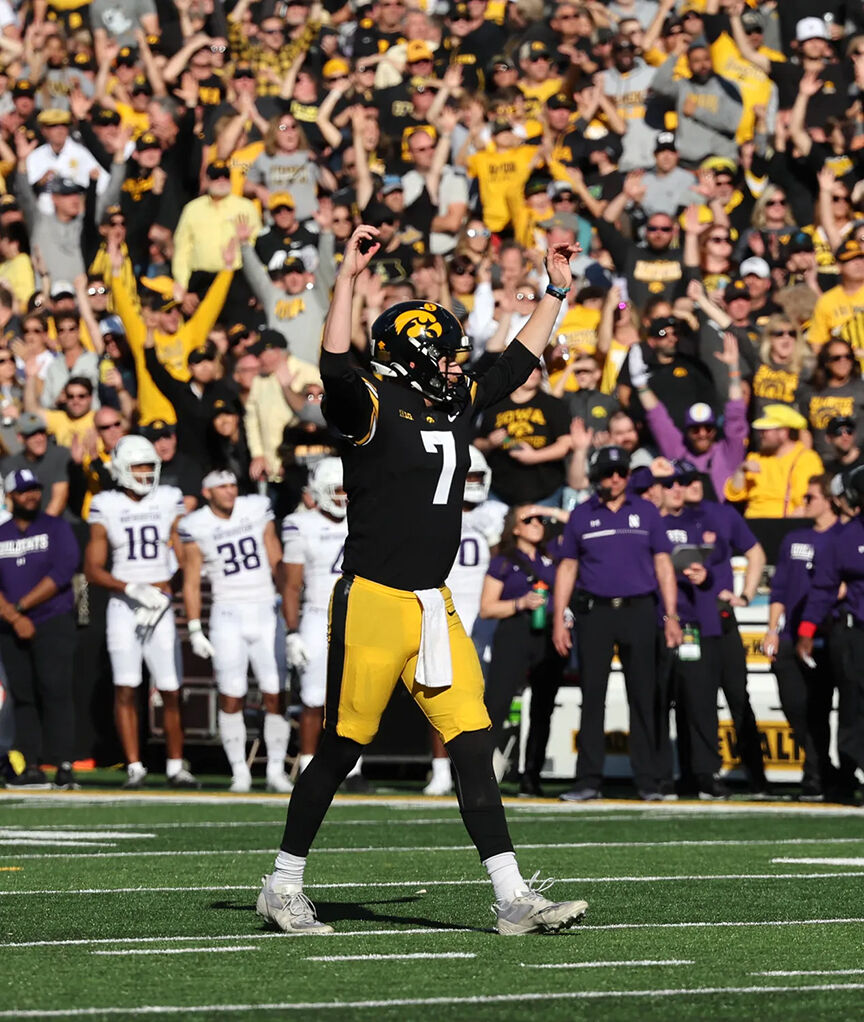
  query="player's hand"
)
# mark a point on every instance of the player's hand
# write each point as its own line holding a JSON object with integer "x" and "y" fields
{"x": 296, "y": 653}
{"x": 561, "y": 638}
{"x": 558, "y": 264}
{"x": 361, "y": 247}
{"x": 147, "y": 596}
{"x": 201, "y": 645}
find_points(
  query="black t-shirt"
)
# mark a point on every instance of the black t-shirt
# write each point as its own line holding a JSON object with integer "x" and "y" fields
{"x": 272, "y": 240}
{"x": 405, "y": 467}
{"x": 832, "y": 101}
{"x": 835, "y": 466}
{"x": 537, "y": 422}
{"x": 398, "y": 264}
{"x": 678, "y": 384}
{"x": 181, "y": 471}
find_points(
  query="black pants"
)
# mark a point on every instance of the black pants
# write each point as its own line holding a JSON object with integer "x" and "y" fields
{"x": 40, "y": 680}
{"x": 691, "y": 686}
{"x": 805, "y": 696}
{"x": 847, "y": 658}
{"x": 733, "y": 681}
{"x": 633, "y": 627}
{"x": 522, "y": 656}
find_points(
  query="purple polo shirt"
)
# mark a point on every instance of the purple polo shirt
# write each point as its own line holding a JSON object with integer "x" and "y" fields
{"x": 46, "y": 547}
{"x": 793, "y": 576}
{"x": 518, "y": 575}
{"x": 840, "y": 560}
{"x": 615, "y": 549}
{"x": 696, "y": 604}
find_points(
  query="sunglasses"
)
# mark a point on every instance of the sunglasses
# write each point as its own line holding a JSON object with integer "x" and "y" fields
{"x": 776, "y": 202}
{"x": 474, "y": 232}
{"x": 80, "y": 396}
{"x": 581, "y": 370}
{"x": 34, "y": 329}
{"x": 658, "y": 229}
{"x": 273, "y": 31}
{"x": 528, "y": 519}
{"x": 620, "y": 473}
{"x": 671, "y": 482}
{"x": 336, "y": 78}
{"x": 783, "y": 333}
{"x": 564, "y": 197}
{"x": 842, "y": 431}
{"x": 97, "y": 290}
{"x": 461, "y": 271}
{"x": 526, "y": 296}
{"x": 109, "y": 425}
{"x": 721, "y": 239}
{"x": 838, "y": 358}
{"x": 701, "y": 429}
{"x": 839, "y": 198}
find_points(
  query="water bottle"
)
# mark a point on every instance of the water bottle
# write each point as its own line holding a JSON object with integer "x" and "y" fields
{"x": 690, "y": 649}
{"x": 538, "y": 614}
{"x": 515, "y": 714}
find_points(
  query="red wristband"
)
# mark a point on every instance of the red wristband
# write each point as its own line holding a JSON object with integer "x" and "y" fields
{"x": 806, "y": 630}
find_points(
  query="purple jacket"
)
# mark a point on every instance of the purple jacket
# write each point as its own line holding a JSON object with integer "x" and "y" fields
{"x": 721, "y": 461}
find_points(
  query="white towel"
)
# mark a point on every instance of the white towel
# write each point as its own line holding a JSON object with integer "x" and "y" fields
{"x": 434, "y": 666}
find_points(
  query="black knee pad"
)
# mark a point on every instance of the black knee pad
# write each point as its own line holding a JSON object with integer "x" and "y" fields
{"x": 471, "y": 756}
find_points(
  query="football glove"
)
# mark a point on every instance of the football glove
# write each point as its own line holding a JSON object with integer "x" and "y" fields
{"x": 146, "y": 595}
{"x": 296, "y": 653}
{"x": 201, "y": 645}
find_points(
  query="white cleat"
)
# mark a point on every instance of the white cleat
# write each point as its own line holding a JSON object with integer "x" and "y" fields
{"x": 135, "y": 779}
{"x": 532, "y": 913}
{"x": 241, "y": 782}
{"x": 439, "y": 786}
{"x": 280, "y": 783}
{"x": 291, "y": 912}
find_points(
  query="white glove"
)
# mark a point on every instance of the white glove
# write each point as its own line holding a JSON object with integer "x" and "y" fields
{"x": 296, "y": 653}
{"x": 638, "y": 368}
{"x": 201, "y": 645}
{"x": 148, "y": 617}
{"x": 147, "y": 596}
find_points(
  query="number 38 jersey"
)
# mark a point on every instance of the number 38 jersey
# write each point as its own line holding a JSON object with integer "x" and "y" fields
{"x": 317, "y": 542}
{"x": 139, "y": 532}
{"x": 406, "y": 465}
{"x": 233, "y": 550}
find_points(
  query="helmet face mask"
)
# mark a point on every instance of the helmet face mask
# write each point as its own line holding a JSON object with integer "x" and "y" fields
{"x": 131, "y": 453}
{"x": 409, "y": 341}
{"x": 325, "y": 480}
{"x": 477, "y": 488}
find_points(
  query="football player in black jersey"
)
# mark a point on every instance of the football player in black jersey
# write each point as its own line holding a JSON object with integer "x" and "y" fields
{"x": 408, "y": 428}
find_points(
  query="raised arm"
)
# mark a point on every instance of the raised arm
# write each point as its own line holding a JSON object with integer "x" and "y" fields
{"x": 535, "y": 334}
{"x": 361, "y": 247}
{"x": 742, "y": 40}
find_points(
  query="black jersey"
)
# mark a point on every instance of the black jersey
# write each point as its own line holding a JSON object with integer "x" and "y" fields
{"x": 405, "y": 467}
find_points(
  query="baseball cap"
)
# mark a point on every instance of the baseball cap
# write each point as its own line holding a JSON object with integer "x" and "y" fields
{"x": 217, "y": 169}
{"x": 557, "y": 188}
{"x": 560, "y": 101}
{"x": 270, "y": 340}
{"x": 206, "y": 352}
{"x": 335, "y": 66}
{"x": 223, "y": 407}
{"x": 418, "y": 49}
{"x": 147, "y": 141}
{"x": 499, "y": 126}
{"x": 141, "y": 84}
{"x": 642, "y": 479}
{"x": 103, "y": 117}
{"x": 126, "y": 57}
{"x": 685, "y": 471}
{"x": 564, "y": 221}
{"x": 736, "y": 289}
{"x": 23, "y": 87}
{"x": 779, "y": 417}
{"x": 800, "y": 242}
{"x": 112, "y": 325}
{"x": 20, "y": 480}
{"x": 755, "y": 265}
{"x": 391, "y": 183}
{"x": 279, "y": 199}
{"x": 283, "y": 262}
{"x": 752, "y": 21}
{"x": 64, "y": 186}
{"x": 659, "y": 326}
{"x": 535, "y": 50}
{"x": 53, "y": 118}
{"x": 665, "y": 140}
{"x": 157, "y": 430}
{"x": 850, "y": 249}
{"x": 607, "y": 459}
{"x": 29, "y": 423}
{"x": 810, "y": 28}
{"x": 841, "y": 422}
{"x": 501, "y": 62}
{"x": 699, "y": 414}
{"x": 236, "y": 333}
{"x": 535, "y": 186}
{"x": 62, "y": 289}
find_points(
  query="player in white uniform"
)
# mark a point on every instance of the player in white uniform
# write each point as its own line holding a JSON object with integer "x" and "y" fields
{"x": 465, "y": 583}
{"x": 234, "y": 540}
{"x": 312, "y": 547}
{"x": 134, "y": 524}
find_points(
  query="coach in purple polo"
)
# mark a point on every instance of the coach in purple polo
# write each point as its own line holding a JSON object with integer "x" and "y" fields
{"x": 617, "y": 548}
{"x": 38, "y": 557}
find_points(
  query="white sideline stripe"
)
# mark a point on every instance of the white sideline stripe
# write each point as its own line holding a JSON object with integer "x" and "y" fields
{"x": 389, "y": 958}
{"x": 470, "y": 848}
{"x": 610, "y": 965}
{"x": 569, "y": 995}
{"x": 44, "y": 833}
{"x": 450, "y": 883}
{"x": 55, "y": 842}
{"x": 177, "y": 950}
{"x": 810, "y": 972}
{"x": 823, "y": 862}
{"x": 422, "y": 931}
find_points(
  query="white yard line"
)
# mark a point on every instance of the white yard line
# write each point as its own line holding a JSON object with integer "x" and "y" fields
{"x": 413, "y": 849}
{"x": 448, "y": 883}
{"x": 412, "y": 1002}
{"x": 390, "y": 958}
{"x": 43, "y": 833}
{"x": 177, "y": 950}
{"x": 608, "y": 965}
{"x": 810, "y": 972}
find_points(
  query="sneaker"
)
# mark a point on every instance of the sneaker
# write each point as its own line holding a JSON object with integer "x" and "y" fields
{"x": 651, "y": 796}
{"x": 667, "y": 792}
{"x": 135, "y": 779}
{"x": 280, "y": 783}
{"x": 532, "y": 913}
{"x": 30, "y": 777}
{"x": 580, "y": 795}
{"x": 183, "y": 779}
{"x": 64, "y": 779}
{"x": 439, "y": 786}
{"x": 811, "y": 791}
{"x": 292, "y": 913}
{"x": 529, "y": 787}
{"x": 241, "y": 782}
{"x": 355, "y": 784}
{"x": 711, "y": 789}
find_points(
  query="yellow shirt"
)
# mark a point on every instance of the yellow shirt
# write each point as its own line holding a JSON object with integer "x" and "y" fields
{"x": 502, "y": 176}
{"x": 18, "y": 273}
{"x": 836, "y": 315}
{"x": 578, "y": 330}
{"x": 64, "y": 429}
{"x": 268, "y": 413}
{"x": 777, "y": 489}
{"x": 614, "y": 360}
{"x": 206, "y": 226}
{"x": 238, "y": 162}
{"x": 172, "y": 349}
{"x": 139, "y": 122}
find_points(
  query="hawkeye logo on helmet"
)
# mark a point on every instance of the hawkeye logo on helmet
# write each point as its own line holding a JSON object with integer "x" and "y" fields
{"x": 419, "y": 322}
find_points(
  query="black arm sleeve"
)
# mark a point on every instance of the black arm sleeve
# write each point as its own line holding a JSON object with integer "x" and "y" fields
{"x": 509, "y": 371}
{"x": 617, "y": 245}
{"x": 348, "y": 403}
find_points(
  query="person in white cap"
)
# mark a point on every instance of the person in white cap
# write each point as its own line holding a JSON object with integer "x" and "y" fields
{"x": 134, "y": 524}
{"x": 233, "y": 540}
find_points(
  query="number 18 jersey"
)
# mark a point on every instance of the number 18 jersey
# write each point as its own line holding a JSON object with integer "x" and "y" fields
{"x": 139, "y": 532}
{"x": 235, "y": 557}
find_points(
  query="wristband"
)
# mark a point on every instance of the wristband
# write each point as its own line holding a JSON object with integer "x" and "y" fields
{"x": 193, "y": 626}
{"x": 557, "y": 292}
{"x": 18, "y": 608}
{"x": 745, "y": 598}
{"x": 670, "y": 617}
{"x": 806, "y": 630}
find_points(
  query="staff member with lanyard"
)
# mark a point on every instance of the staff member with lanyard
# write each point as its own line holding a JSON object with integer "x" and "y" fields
{"x": 38, "y": 557}
{"x": 615, "y": 545}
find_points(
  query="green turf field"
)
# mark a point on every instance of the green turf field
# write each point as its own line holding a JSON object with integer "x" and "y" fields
{"x": 126, "y": 907}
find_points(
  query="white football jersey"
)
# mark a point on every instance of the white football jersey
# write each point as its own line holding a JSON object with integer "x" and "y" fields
{"x": 318, "y": 543}
{"x": 487, "y": 518}
{"x": 139, "y": 532}
{"x": 465, "y": 580}
{"x": 235, "y": 557}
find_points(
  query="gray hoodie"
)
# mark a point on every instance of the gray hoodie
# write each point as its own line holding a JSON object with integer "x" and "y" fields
{"x": 629, "y": 91}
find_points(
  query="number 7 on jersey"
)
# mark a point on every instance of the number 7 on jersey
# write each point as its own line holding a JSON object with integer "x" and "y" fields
{"x": 432, "y": 441}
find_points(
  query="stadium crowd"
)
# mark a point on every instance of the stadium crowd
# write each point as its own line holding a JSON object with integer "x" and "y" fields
{"x": 178, "y": 182}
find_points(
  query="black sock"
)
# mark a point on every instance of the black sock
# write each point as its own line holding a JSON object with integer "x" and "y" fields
{"x": 477, "y": 790}
{"x": 315, "y": 789}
